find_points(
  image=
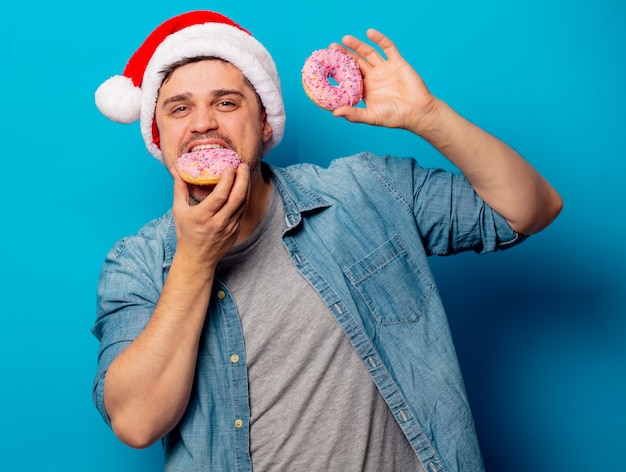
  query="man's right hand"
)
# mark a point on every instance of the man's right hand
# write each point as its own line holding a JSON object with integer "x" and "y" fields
{"x": 208, "y": 222}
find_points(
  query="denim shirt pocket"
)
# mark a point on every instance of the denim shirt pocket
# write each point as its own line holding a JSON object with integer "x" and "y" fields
{"x": 391, "y": 283}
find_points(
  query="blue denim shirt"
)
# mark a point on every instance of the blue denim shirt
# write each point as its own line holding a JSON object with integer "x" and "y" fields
{"x": 360, "y": 232}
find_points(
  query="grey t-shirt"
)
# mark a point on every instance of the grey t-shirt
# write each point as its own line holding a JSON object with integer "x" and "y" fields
{"x": 313, "y": 405}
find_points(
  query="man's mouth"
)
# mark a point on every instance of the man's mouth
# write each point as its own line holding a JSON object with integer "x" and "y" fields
{"x": 199, "y": 147}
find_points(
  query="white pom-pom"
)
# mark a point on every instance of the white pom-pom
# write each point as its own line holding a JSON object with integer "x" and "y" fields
{"x": 119, "y": 100}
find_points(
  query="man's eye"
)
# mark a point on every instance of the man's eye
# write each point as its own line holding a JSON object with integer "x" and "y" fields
{"x": 227, "y": 104}
{"x": 179, "y": 110}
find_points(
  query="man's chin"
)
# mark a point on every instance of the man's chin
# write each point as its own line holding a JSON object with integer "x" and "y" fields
{"x": 197, "y": 193}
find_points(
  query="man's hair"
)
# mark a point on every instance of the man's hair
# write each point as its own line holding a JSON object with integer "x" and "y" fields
{"x": 168, "y": 70}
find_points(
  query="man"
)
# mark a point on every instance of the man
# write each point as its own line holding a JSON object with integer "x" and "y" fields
{"x": 287, "y": 319}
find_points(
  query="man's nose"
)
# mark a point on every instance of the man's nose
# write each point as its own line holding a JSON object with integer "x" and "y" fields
{"x": 204, "y": 119}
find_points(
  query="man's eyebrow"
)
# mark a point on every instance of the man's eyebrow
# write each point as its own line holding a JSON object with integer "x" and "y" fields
{"x": 223, "y": 92}
{"x": 181, "y": 97}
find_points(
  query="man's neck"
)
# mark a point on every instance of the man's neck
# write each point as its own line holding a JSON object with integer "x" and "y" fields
{"x": 260, "y": 192}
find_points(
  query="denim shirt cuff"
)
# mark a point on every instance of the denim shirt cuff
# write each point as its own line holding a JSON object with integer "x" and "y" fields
{"x": 507, "y": 237}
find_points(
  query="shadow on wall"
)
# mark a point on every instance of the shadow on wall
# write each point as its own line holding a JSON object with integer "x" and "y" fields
{"x": 540, "y": 342}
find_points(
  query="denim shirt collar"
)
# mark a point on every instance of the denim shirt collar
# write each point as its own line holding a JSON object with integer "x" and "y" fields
{"x": 296, "y": 197}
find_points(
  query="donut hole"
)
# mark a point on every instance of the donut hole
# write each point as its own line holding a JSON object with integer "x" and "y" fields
{"x": 332, "y": 81}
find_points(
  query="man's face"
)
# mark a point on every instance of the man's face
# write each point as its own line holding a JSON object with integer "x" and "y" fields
{"x": 210, "y": 103}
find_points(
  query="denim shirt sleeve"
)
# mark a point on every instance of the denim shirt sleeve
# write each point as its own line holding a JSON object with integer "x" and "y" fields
{"x": 128, "y": 290}
{"x": 449, "y": 214}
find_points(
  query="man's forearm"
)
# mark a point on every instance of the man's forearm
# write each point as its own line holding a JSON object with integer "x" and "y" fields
{"x": 504, "y": 179}
{"x": 147, "y": 387}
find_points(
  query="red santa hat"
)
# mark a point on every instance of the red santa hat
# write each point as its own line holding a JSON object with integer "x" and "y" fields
{"x": 133, "y": 95}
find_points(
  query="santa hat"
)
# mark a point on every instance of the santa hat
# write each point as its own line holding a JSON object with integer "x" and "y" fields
{"x": 133, "y": 95}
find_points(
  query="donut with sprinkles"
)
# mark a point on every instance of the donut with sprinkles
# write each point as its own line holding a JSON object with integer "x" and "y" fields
{"x": 335, "y": 64}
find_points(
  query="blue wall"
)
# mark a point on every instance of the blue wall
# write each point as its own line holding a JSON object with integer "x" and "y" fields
{"x": 540, "y": 330}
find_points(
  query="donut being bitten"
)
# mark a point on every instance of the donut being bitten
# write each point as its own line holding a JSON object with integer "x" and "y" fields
{"x": 342, "y": 68}
{"x": 205, "y": 166}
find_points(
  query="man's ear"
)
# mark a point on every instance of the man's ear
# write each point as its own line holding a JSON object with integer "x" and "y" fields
{"x": 267, "y": 129}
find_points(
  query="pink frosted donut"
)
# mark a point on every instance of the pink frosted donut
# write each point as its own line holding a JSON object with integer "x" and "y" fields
{"x": 205, "y": 166}
{"x": 342, "y": 68}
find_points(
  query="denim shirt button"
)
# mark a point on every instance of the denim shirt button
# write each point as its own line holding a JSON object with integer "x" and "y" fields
{"x": 234, "y": 358}
{"x": 221, "y": 294}
{"x": 238, "y": 423}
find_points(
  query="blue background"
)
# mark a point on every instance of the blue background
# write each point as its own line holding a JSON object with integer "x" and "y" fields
{"x": 540, "y": 330}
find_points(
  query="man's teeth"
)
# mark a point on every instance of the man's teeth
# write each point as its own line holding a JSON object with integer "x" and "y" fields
{"x": 206, "y": 146}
